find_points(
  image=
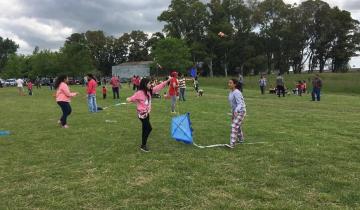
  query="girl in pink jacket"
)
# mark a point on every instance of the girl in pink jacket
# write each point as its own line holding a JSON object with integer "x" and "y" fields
{"x": 63, "y": 98}
{"x": 143, "y": 100}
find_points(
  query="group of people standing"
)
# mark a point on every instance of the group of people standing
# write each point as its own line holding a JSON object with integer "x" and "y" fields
{"x": 301, "y": 86}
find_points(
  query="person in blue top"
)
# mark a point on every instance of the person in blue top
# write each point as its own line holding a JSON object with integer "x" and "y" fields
{"x": 238, "y": 108}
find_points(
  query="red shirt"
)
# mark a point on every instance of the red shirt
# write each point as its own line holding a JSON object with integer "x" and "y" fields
{"x": 173, "y": 91}
{"x": 91, "y": 87}
{"x": 104, "y": 90}
{"x": 115, "y": 82}
{"x": 137, "y": 81}
{"x": 30, "y": 85}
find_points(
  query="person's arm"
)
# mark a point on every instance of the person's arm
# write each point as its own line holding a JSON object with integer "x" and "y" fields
{"x": 239, "y": 101}
{"x": 65, "y": 89}
{"x": 161, "y": 86}
{"x": 134, "y": 98}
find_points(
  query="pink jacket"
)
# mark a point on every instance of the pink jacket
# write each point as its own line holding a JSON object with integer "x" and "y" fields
{"x": 63, "y": 93}
{"x": 144, "y": 102}
{"x": 91, "y": 87}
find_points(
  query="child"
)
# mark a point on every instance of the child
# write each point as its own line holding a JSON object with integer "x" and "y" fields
{"x": 173, "y": 91}
{"x": 238, "y": 106}
{"x": 196, "y": 84}
{"x": 63, "y": 98}
{"x": 143, "y": 100}
{"x": 30, "y": 86}
{"x": 104, "y": 90}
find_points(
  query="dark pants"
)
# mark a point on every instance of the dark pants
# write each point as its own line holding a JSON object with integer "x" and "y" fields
{"x": 281, "y": 89}
{"x": 30, "y": 92}
{"x": 146, "y": 129}
{"x": 315, "y": 92}
{"x": 66, "y": 109}
{"x": 104, "y": 96}
{"x": 182, "y": 94}
{"x": 241, "y": 87}
{"x": 134, "y": 87}
{"x": 262, "y": 88}
{"x": 115, "y": 92}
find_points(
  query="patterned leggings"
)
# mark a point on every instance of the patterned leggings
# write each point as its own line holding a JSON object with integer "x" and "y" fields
{"x": 236, "y": 132}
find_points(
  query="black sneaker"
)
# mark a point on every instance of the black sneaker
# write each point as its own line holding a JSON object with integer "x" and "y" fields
{"x": 240, "y": 141}
{"x": 144, "y": 148}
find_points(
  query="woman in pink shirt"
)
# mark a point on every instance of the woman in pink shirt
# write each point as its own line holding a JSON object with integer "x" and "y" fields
{"x": 91, "y": 93}
{"x": 63, "y": 98}
{"x": 143, "y": 100}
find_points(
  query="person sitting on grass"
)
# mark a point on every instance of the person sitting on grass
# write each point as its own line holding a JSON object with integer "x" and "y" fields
{"x": 238, "y": 107}
{"x": 143, "y": 100}
{"x": 63, "y": 98}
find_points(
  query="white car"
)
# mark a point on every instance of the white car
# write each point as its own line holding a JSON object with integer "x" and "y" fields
{"x": 10, "y": 82}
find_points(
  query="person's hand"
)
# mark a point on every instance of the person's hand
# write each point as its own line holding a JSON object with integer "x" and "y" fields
{"x": 128, "y": 100}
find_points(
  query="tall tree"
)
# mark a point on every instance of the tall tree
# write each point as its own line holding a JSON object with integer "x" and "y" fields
{"x": 7, "y": 48}
{"x": 172, "y": 54}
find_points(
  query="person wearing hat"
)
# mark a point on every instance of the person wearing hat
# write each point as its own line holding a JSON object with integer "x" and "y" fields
{"x": 173, "y": 90}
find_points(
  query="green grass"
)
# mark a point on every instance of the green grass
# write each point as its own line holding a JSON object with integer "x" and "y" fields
{"x": 311, "y": 159}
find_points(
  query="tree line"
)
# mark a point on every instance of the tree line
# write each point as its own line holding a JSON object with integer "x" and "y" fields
{"x": 256, "y": 36}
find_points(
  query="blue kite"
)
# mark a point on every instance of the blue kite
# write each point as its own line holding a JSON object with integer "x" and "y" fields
{"x": 181, "y": 129}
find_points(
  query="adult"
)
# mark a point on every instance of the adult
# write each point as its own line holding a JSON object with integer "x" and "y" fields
{"x": 20, "y": 86}
{"x": 317, "y": 85}
{"x": 182, "y": 87}
{"x": 38, "y": 83}
{"x": 262, "y": 84}
{"x": 115, "y": 84}
{"x": 238, "y": 108}
{"x": 91, "y": 93}
{"x": 173, "y": 90}
{"x": 280, "y": 85}
{"x": 51, "y": 83}
{"x": 143, "y": 100}
{"x": 133, "y": 82}
{"x": 241, "y": 82}
{"x": 63, "y": 98}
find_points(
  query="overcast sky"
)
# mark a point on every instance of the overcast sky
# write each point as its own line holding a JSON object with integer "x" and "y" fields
{"x": 47, "y": 23}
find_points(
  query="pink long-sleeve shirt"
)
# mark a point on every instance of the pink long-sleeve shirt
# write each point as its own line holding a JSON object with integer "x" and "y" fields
{"x": 91, "y": 87}
{"x": 144, "y": 102}
{"x": 63, "y": 93}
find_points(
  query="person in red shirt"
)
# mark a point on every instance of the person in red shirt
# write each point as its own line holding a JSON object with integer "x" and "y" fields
{"x": 115, "y": 84}
{"x": 30, "y": 87}
{"x": 91, "y": 93}
{"x": 104, "y": 90}
{"x": 173, "y": 90}
{"x": 133, "y": 82}
{"x": 137, "y": 83}
{"x": 300, "y": 87}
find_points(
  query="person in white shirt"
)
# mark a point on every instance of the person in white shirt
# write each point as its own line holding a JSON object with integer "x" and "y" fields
{"x": 20, "y": 85}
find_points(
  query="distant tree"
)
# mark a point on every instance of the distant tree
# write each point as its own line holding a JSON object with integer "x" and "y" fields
{"x": 7, "y": 48}
{"x": 172, "y": 54}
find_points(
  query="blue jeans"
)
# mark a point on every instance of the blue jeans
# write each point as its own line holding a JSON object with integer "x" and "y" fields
{"x": 315, "y": 92}
{"x": 173, "y": 103}
{"x": 92, "y": 103}
{"x": 182, "y": 94}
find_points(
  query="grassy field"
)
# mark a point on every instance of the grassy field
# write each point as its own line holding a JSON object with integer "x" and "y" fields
{"x": 310, "y": 161}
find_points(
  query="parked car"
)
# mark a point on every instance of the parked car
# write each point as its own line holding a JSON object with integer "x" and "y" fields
{"x": 2, "y": 83}
{"x": 10, "y": 82}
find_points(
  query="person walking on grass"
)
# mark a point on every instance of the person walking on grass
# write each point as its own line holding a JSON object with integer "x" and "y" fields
{"x": 173, "y": 91}
{"x": 182, "y": 87}
{"x": 238, "y": 107}
{"x": 143, "y": 100}
{"x": 63, "y": 99}
{"x": 280, "y": 85}
{"x": 317, "y": 85}
{"x": 30, "y": 87}
{"x": 262, "y": 84}
{"x": 104, "y": 91}
{"x": 20, "y": 86}
{"x": 115, "y": 84}
{"x": 91, "y": 93}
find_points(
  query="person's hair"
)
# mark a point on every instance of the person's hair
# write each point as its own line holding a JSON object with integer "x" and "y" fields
{"x": 299, "y": 81}
{"x": 143, "y": 87}
{"x": 59, "y": 80}
{"x": 237, "y": 84}
{"x": 179, "y": 74}
{"x": 103, "y": 86}
{"x": 91, "y": 76}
